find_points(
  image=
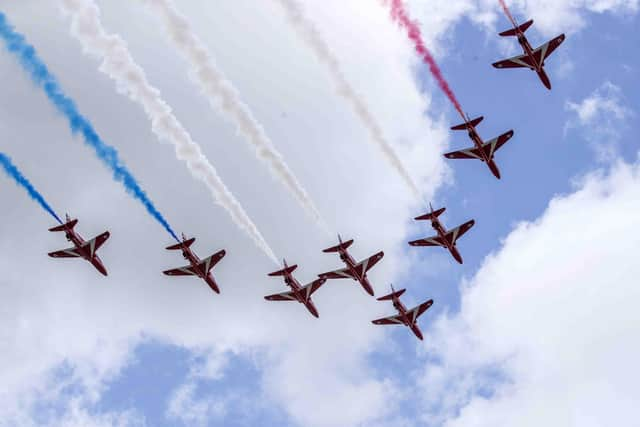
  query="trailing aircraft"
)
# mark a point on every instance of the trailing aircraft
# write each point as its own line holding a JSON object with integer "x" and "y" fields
{"x": 81, "y": 248}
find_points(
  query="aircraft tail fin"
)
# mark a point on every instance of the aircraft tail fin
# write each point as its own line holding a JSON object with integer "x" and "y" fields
{"x": 514, "y": 31}
{"x": 431, "y": 215}
{"x": 338, "y": 248}
{"x": 287, "y": 270}
{"x": 68, "y": 225}
{"x": 180, "y": 245}
{"x": 465, "y": 126}
{"x": 392, "y": 295}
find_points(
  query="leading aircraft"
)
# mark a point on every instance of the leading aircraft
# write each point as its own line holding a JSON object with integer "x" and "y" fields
{"x": 444, "y": 238}
{"x": 405, "y": 317}
{"x": 299, "y": 293}
{"x": 532, "y": 58}
{"x": 355, "y": 271}
{"x": 81, "y": 249}
{"x": 482, "y": 151}
{"x": 196, "y": 267}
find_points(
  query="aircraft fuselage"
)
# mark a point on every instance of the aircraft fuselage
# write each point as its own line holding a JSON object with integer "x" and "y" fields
{"x": 295, "y": 286}
{"x": 402, "y": 312}
{"x": 351, "y": 265}
{"x": 195, "y": 261}
{"x": 478, "y": 142}
{"x": 539, "y": 67}
{"x": 85, "y": 251}
{"x": 442, "y": 233}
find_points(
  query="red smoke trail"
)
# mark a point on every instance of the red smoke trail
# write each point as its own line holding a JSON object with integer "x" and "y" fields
{"x": 507, "y": 12}
{"x": 399, "y": 14}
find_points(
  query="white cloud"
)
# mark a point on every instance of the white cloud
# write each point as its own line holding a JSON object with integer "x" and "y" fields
{"x": 552, "y": 17}
{"x": 191, "y": 410}
{"x": 602, "y": 116}
{"x": 547, "y": 331}
{"x": 63, "y": 314}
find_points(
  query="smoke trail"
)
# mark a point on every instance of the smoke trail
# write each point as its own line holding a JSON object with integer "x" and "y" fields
{"x": 20, "y": 179}
{"x": 131, "y": 79}
{"x": 508, "y": 13}
{"x": 399, "y": 14}
{"x": 312, "y": 36}
{"x": 215, "y": 86}
{"x": 40, "y": 75}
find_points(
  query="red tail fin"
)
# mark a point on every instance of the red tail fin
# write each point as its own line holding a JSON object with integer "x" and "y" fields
{"x": 341, "y": 246}
{"x": 430, "y": 216}
{"x": 392, "y": 295}
{"x": 287, "y": 270}
{"x": 514, "y": 32}
{"x": 64, "y": 227}
{"x": 464, "y": 126}
{"x": 180, "y": 245}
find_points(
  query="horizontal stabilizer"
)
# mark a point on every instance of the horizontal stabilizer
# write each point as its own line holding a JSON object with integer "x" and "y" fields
{"x": 392, "y": 295}
{"x": 514, "y": 31}
{"x": 430, "y": 216}
{"x": 64, "y": 227}
{"x": 183, "y": 244}
{"x": 342, "y": 246}
{"x": 464, "y": 126}
{"x": 285, "y": 271}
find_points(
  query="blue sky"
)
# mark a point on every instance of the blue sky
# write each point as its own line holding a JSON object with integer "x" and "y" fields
{"x": 550, "y": 152}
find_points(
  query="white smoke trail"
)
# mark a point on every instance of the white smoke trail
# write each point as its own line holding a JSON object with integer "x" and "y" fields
{"x": 215, "y": 86}
{"x": 310, "y": 34}
{"x": 118, "y": 64}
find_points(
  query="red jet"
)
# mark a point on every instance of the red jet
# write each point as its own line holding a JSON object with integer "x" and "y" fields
{"x": 482, "y": 151}
{"x": 404, "y": 317}
{"x": 446, "y": 239}
{"x": 81, "y": 249}
{"x": 357, "y": 272}
{"x": 302, "y": 294}
{"x": 196, "y": 267}
{"x": 532, "y": 58}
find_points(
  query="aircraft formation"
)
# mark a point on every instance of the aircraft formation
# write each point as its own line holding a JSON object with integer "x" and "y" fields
{"x": 534, "y": 59}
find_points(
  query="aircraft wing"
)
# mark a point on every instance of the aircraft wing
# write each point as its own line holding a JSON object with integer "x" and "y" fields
{"x": 489, "y": 147}
{"x": 494, "y": 145}
{"x": 187, "y": 270}
{"x": 429, "y": 241}
{"x": 343, "y": 273}
{"x": 520, "y": 61}
{"x": 210, "y": 262}
{"x": 470, "y": 153}
{"x": 284, "y": 296}
{"x": 310, "y": 288}
{"x": 454, "y": 234}
{"x": 66, "y": 253}
{"x": 97, "y": 242}
{"x": 391, "y": 320}
{"x": 547, "y": 49}
{"x": 93, "y": 245}
{"x": 415, "y": 312}
{"x": 206, "y": 265}
{"x": 367, "y": 264}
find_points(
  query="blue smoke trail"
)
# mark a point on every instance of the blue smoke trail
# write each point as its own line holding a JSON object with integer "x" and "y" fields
{"x": 39, "y": 73}
{"x": 20, "y": 179}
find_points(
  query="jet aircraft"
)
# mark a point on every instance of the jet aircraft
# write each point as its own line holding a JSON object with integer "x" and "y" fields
{"x": 532, "y": 58}
{"x": 444, "y": 238}
{"x": 196, "y": 267}
{"x": 355, "y": 271}
{"x": 299, "y": 293}
{"x": 81, "y": 249}
{"x": 405, "y": 317}
{"x": 483, "y": 151}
